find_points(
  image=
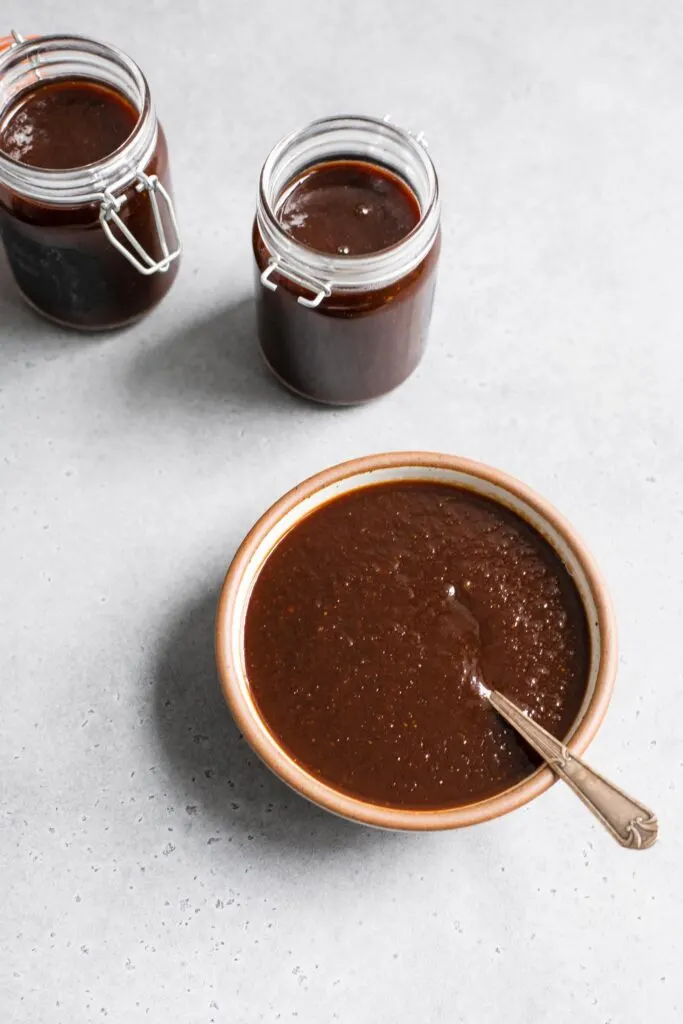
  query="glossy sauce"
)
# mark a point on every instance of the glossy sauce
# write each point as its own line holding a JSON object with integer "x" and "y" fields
{"x": 63, "y": 124}
{"x": 372, "y": 623}
{"x": 61, "y": 260}
{"x": 348, "y": 208}
{"x": 356, "y": 345}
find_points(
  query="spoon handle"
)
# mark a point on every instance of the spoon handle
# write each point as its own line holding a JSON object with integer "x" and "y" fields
{"x": 630, "y": 822}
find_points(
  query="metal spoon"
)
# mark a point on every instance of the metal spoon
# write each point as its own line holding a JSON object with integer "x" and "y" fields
{"x": 631, "y": 823}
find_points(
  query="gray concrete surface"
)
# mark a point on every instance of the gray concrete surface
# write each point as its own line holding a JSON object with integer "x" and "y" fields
{"x": 150, "y": 868}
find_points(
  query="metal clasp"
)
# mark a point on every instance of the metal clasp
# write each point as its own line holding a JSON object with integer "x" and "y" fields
{"x": 13, "y": 41}
{"x": 137, "y": 255}
{"x": 322, "y": 289}
{"x": 420, "y": 137}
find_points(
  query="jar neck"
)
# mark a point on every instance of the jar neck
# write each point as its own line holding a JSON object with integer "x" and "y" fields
{"x": 343, "y": 138}
{"x": 49, "y": 58}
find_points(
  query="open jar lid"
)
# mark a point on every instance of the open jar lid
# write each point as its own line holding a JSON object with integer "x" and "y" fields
{"x": 349, "y": 137}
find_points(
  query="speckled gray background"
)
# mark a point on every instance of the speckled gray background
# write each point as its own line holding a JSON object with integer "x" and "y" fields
{"x": 151, "y": 869}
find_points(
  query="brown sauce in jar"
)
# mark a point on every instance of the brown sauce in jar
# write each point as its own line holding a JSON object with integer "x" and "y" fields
{"x": 356, "y": 345}
{"x": 348, "y": 208}
{"x": 372, "y": 622}
{"x": 61, "y": 260}
{"x": 66, "y": 123}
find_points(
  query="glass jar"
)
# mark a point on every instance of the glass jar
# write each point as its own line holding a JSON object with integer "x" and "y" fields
{"x": 94, "y": 247}
{"x": 343, "y": 329}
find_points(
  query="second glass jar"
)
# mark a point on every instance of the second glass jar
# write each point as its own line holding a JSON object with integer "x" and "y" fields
{"x": 344, "y": 329}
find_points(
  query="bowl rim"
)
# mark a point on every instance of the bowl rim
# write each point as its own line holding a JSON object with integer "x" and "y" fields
{"x": 357, "y": 809}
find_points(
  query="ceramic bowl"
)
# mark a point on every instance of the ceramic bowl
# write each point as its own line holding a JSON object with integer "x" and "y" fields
{"x": 365, "y": 472}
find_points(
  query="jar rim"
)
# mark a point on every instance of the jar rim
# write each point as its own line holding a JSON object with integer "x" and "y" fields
{"x": 88, "y": 182}
{"x": 349, "y": 272}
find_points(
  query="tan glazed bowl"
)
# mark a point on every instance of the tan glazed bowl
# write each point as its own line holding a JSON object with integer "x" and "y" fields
{"x": 398, "y": 466}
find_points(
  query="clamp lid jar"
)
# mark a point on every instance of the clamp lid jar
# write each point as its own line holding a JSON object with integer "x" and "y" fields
{"x": 86, "y": 213}
{"x": 345, "y": 272}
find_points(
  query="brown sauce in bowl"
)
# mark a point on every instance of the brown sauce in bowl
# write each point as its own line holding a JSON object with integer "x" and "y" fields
{"x": 372, "y": 622}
